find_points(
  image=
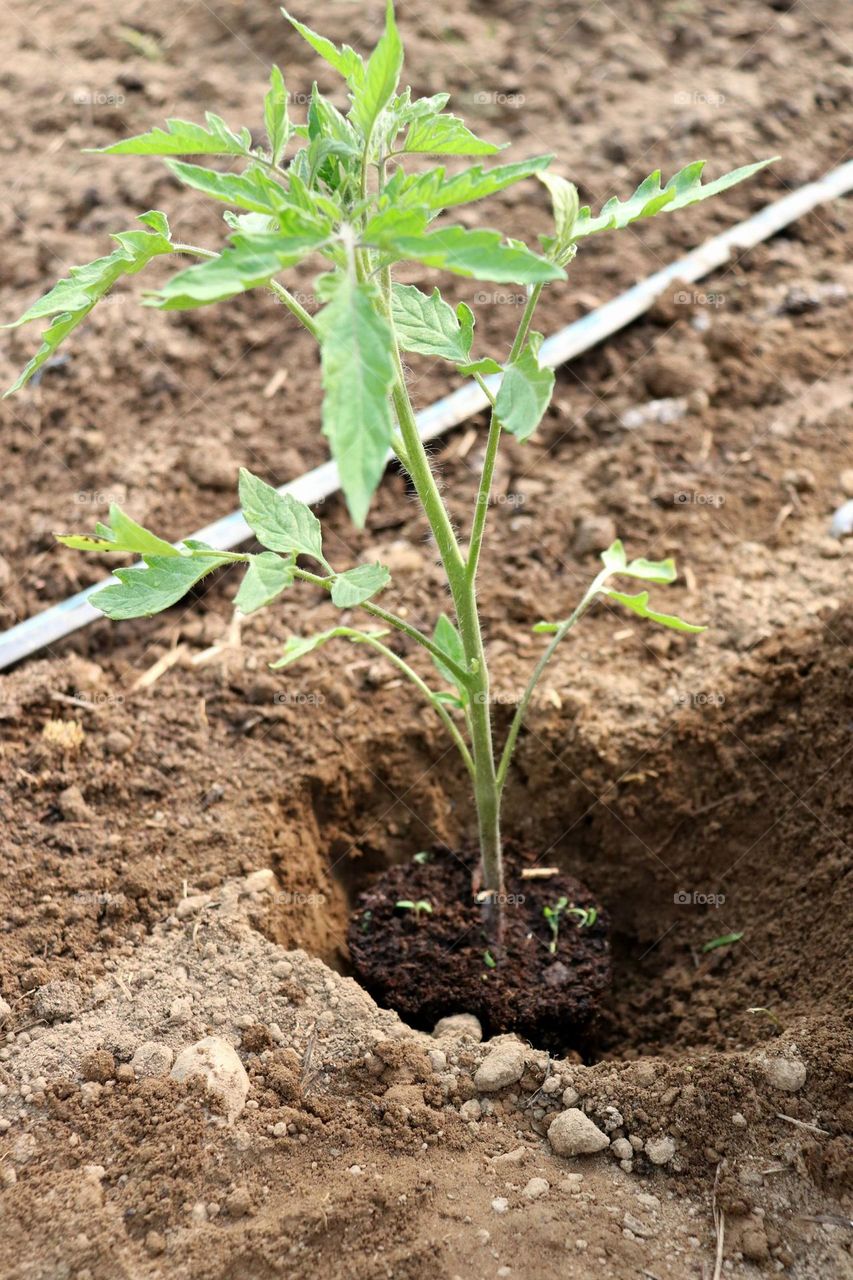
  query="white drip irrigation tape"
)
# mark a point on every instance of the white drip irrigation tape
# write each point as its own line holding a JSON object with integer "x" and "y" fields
{"x": 62, "y": 619}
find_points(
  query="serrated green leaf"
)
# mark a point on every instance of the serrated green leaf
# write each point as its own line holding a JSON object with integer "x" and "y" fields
{"x": 684, "y": 189}
{"x": 298, "y": 646}
{"x": 525, "y": 391}
{"x": 435, "y": 191}
{"x": 425, "y": 323}
{"x": 407, "y": 110}
{"x": 359, "y": 584}
{"x": 371, "y": 97}
{"x": 445, "y": 135}
{"x": 183, "y": 138}
{"x": 276, "y": 119}
{"x": 448, "y": 640}
{"x": 358, "y": 371}
{"x": 639, "y": 604}
{"x": 71, "y": 300}
{"x": 278, "y": 520}
{"x": 249, "y": 263}
{"x": 565, "y": 203}
{"x": 150, "y": 588}
{"x": 267, "y": 576}
{"x": 345, "y": 60}
{"x": 248, "y": 190}
{"x": 481, "y": 254}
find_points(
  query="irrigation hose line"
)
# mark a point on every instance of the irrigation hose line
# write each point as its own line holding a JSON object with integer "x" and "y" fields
{"x": 230, "y": 531}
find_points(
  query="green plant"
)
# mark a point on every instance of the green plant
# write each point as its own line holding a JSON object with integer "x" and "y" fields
{"x": 586, "y": 918}
{"x": 552, "y": 915}
{"x": 726, "y": 940}
{"x": 418, "y": 909}
{"x": 349, "y": 190}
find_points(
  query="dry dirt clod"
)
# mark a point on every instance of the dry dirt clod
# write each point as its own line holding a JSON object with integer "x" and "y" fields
{"x": 785, "y": 1071}
{"x": 73, "y": 806}
{"x": 57, "y": 1001}
{"x": 152, "y": 1059}
{"x": 660, "y": 1150}
{"x": 458, "y": 1026}
{"x": 224, "y": 1075}
{"x": 99, "y": 1066}
{"x": 239, "y": 1203}
{"x": 572, "y": 1133}
{"x": 503, "y": 1065}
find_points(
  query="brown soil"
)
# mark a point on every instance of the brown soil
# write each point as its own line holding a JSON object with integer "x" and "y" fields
{"x": 432, "y": 963}
{"x": 699, "y": 788}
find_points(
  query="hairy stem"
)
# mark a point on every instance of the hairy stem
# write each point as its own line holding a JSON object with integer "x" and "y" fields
{"x": 286, "y": 297}
{"x": 521, "y": 709}
{"x": 484, "y": 490}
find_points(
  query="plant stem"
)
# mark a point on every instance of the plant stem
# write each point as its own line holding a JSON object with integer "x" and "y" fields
{"x": 481, "y": 510}
{"x": 464, "y": 599}
{"x": 285, "y": 296}
{"x": 521, "y": 709}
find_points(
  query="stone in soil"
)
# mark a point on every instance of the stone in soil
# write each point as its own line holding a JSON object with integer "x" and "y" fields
{"x": 572, "y": 1133}
{"x": 217, "y": 1063}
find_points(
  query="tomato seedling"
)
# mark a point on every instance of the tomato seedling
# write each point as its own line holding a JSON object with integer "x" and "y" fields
{"x": 349, "y": 191}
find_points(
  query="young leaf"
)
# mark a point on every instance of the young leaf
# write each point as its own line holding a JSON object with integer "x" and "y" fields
{"x": 182, "y": 138}
{"x": 565, "y": 203}
{"x": 276, "y": 118}
{"x": 359, "y": 584}
{"x": 483, "y": 366}
{"x": 345, "y": 60}
{"x": 71, "y": 300}
{"x": 434, "y": 191}
{"x": 445, "y": 135}
{"x": 357, "y": 371}
{"x": 298, "y": 646}
{"x": 448, "y": 639}
{"x": 481, "y": 254}
{"x": 650, "y": 198}
{"x": 525, "y": 391}
{"x": 429, "y": 325}
{"x": 379, "y": 85}
{"x": 662, "y": 571}
{"x": 614, "y": 557}
{"x": 278, "y": 520}
{"x": 267, "y": 576}
{"x": 249, "y": 263}
{"x": 150, "y": 588}
{"x": 639, "y": 604}
{"x": 121, "y": 535}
